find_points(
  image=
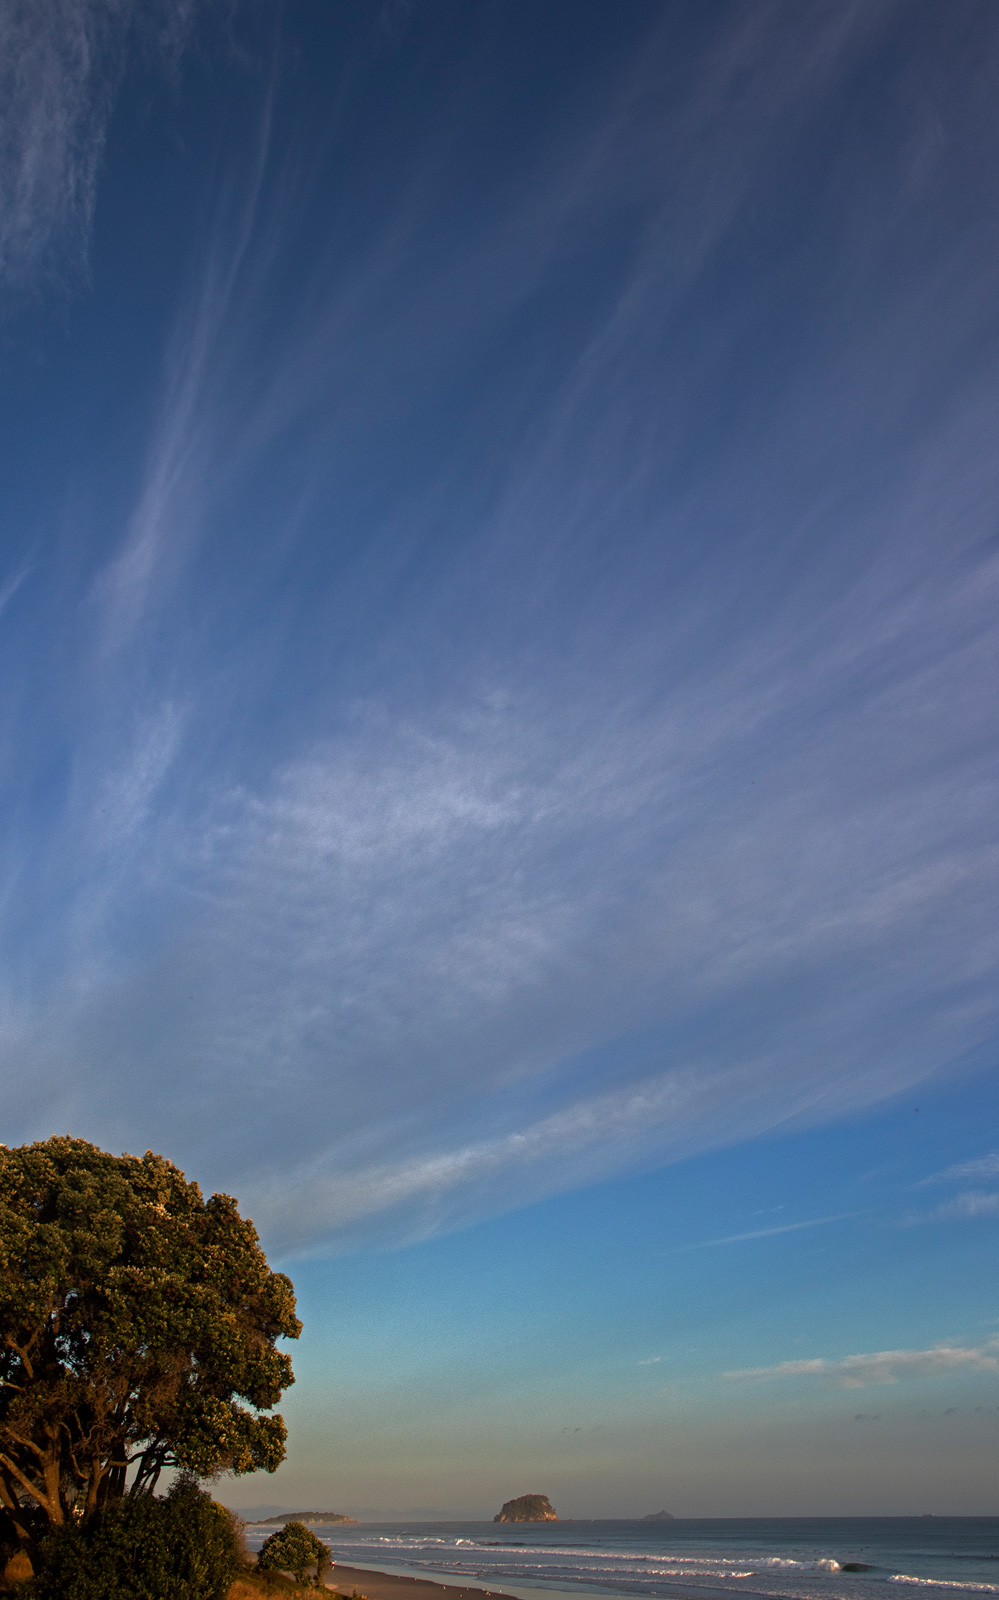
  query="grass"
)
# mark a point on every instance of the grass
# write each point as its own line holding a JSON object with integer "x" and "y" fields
{"x": 272, "y": 1585}
{"x": 261, "y": 1585}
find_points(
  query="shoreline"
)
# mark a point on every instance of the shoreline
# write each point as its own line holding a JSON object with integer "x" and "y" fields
{"x": 397, "y": 1585}
{"x": 379, "y": 1585}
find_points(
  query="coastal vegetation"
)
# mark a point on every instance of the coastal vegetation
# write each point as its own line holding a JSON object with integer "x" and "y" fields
{"x": 254, "y": 1585}
{"x": 182, "y": 1546}
{"x": 273, "y": 1585}
{"x": 294, "y": 1549}
{"x": 138, "y": 1333}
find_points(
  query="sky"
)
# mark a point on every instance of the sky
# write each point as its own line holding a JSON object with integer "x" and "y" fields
{"x": 497, "y": 715}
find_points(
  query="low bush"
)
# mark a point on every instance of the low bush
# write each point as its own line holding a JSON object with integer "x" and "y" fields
{"x": 294, "y": 1549}
{"x": 181, "y": 1547}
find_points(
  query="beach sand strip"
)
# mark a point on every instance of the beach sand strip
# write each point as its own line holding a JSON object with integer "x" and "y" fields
{"x": 386, "y": 1586}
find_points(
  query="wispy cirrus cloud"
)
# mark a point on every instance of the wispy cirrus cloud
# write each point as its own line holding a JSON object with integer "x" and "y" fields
{"x": 977, "y": 1167}
{"x": 973, "y": 1203}
{"x": 770, "y": 1233}
{"x": 12, "y": 583}
{"x": 430, "y": 932}
{"x": 882, "y": 1366}
{"x": 60, "y": 65}
{"x": 458, "y": 814}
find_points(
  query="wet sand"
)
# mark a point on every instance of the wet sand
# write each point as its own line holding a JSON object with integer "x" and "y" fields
{"x": 387, "y": 1586}
{"x": 377, "y": 1585}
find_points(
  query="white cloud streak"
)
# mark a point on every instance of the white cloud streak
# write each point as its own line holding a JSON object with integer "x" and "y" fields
{"x": 977, "y": 1167}
{"x": 769, "y": 1233}
{"x": 974, "y": 1203}
{"x": 882, "y": 1366}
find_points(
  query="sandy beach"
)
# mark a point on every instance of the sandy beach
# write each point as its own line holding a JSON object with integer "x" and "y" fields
{"x": 377, "y": 1585}
{"x": 388, "y": 1586}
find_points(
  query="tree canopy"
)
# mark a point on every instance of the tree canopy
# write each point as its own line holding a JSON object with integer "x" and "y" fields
{"x": 294, "y": 1549}
{"x": 138, "y": 1329}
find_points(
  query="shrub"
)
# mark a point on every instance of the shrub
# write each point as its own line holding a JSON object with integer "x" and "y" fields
{"x": 183, "y": 1547}
{"x": 295, "y": 1549}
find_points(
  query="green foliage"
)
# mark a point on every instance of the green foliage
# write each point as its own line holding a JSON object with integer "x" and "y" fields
{"x": 135, "y": 1317}
{"x": 295, "y": 1549}
{"x": 183, "y": 1547}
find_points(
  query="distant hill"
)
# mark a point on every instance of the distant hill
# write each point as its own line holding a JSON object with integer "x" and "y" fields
{"x": 528, "y": 1508}
{"x": 658, "y": 1516}
{"x": 304, "y": 1516}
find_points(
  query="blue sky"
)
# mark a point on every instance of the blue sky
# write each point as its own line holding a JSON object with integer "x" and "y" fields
{"x": 497, "y": 688}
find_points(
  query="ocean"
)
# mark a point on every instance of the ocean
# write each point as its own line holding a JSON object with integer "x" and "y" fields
{"x": 809, "y": 1558}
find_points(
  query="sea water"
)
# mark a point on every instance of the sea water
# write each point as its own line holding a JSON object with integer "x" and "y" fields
{"x": 805, "y": 1557}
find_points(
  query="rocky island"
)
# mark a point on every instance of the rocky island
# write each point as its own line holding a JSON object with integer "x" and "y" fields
{"x": 658, "y": 1516}
{"x": 528, "y": 1508}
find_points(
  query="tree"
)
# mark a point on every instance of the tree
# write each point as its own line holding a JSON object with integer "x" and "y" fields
{"x": 135, "y": 1318}
{"x": 295, "y": 1549}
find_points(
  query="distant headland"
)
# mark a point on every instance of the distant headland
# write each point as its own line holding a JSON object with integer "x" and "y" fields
{"x": 658, "y": 1516}
{"x": 528, "y": 1508}
{"x": 303, "y": 1516}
